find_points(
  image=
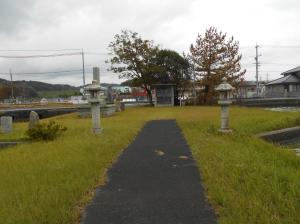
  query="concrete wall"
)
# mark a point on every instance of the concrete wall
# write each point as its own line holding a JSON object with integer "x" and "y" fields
{"x": 23, "y": 114}
{"x": 268, "y": 102}
{"x": 283, "y": 136}
{"x": 279, "y": 91}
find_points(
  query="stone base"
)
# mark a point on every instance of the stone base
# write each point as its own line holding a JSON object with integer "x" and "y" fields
{"x": 225, "y": 130}
{"x": 97, "y": 131}
{"x": 84, "y": 111}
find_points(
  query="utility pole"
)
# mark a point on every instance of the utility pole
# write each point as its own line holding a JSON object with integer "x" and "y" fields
{"x": 194, "y": 84}
{"x": 256, "y": 65}
{"x": 11, "y": 84}
{"x": 83, "y": 71}
{"x": 23, "y": 90}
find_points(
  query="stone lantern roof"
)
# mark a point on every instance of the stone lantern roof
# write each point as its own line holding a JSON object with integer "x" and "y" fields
{"x": 94, "y": 87}
{"x": 224, "y": 86}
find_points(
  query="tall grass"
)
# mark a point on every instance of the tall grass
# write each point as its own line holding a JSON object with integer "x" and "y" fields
{"x": 247, "y": 180}
{"x": 45, "y": 182}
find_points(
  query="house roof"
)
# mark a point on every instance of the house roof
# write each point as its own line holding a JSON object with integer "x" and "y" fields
{"x": 285, "y": 80}
{"x": 291, "y": 71}
{"x": 162, "y": 84}
{"x": 248, "y": 83}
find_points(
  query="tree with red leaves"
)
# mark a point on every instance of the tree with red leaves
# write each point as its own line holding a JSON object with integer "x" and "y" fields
{"x": 214, "y": 57}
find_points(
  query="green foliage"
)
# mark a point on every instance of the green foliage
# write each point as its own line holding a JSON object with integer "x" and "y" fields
{"x": 144, "y": 64}
{"x": 215, "y": 57}
{"x": 134, "y": 58}
{"x": 175, "y": 69}
{"x": 45, "y": 131}
{"x": 174, "y": 66}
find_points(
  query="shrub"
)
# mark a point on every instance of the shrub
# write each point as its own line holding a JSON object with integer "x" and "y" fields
{"x": 45, "y": 131}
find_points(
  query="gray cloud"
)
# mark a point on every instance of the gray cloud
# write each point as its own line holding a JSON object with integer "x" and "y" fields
{"x": 284, "y": 5}
{"x": 14, "y": 15}
{"x": 91, "y": 24}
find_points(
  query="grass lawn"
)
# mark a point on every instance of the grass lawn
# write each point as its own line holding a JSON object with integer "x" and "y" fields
{"x": 34, "y": 105}
{"x": 247, "y": 179}
{"x": 58, "y": 93}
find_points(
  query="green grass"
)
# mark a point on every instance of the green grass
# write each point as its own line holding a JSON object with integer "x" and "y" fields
{"x": 247, "y": 180}
{"x": 58, "y": 93}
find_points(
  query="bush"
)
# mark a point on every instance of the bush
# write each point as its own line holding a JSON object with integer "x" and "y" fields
{"x": 45, "y": 131}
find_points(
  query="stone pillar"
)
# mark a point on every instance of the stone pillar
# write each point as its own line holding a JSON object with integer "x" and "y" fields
{"x": 110, "y": 95}
{"x": 6, "y": 124}
{"x": 224, "y": 117}
{"x": 95, "y": 109}
{"x": 96, "y": 74}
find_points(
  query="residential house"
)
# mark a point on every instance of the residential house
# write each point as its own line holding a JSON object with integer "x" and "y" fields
{"x": 286, "y": 86}
{"x": 163, "y": 94}
{"x": 247, "y": 89}
{"x": 122, "y": 89}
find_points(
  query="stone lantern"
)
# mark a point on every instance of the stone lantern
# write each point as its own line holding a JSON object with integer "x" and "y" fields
{"x": 94, "y": 99}
{"x": 224, "y": 90}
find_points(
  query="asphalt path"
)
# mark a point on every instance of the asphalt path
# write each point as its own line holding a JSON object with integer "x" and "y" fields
{"x": 154, "y": 181}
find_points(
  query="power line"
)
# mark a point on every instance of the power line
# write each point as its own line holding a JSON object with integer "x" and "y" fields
{"x": 39, "y": 56}
{"x": 41, "y": 73}
{"x": 265, "y": 71}
{"x": 37, "y": 50}
{"x": 96, "y": 53}
{"x": 270, "y": 46}
{"x": 83, "y": 71}
{"x": 58, "y": 50}
{"x": 265, "y": 63}
{"x": 11, "y": 83}
{"x": 280, "y": 46}
{"x": 50, "y": 72}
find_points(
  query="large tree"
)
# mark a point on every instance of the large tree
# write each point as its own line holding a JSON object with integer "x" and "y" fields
{"x": 215, "y": 56}
{"x": 175, "y": 70}
{"x": 134, "y": 58}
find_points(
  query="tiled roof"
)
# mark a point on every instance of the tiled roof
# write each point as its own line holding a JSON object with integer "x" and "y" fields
{"x": 249, "y": 83}
{"x": 285, "y": 80}
{"x": 294, "y": 70}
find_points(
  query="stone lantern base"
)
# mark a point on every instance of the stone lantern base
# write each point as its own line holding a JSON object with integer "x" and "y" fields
{"x": 225, "y": 130}
{"x": 97, "y": 130}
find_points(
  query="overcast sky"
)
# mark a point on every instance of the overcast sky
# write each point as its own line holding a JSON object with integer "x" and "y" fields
{"x": 173, "y": 24}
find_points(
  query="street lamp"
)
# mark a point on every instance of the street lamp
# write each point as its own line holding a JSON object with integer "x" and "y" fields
{"x": 224, "y": 90}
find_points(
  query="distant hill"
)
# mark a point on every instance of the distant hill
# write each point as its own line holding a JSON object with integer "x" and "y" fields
{"x": 32, "y": 89}
{"x": 109, "y": 84}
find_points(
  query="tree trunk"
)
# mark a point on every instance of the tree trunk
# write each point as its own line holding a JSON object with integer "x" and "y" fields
{"x": 149, "y": 95}
{"x": 206, "y": 94}
{"x": 176, "y": 97}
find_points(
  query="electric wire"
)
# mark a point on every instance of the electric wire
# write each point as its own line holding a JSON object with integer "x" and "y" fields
{"x": 40, "y": 56}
